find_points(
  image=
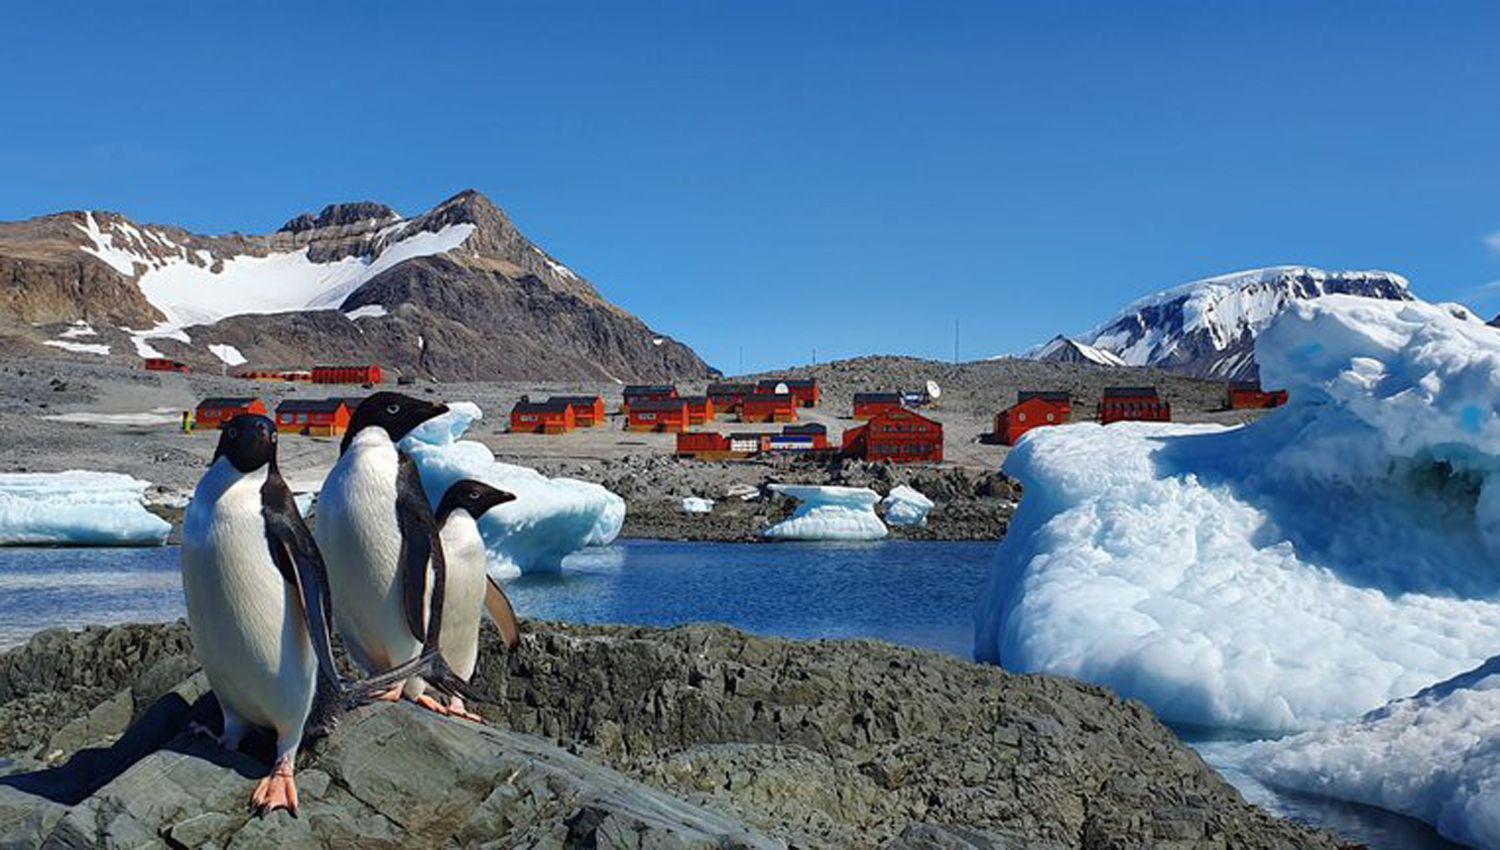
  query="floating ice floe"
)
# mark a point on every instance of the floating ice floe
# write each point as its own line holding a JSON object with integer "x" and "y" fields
{"x": 550, "y": 517}
{"x": 77, "y": 508}
{"x": 828, "y": 513}
{"x": 1434, "y": 756}
{"x": 697, "y": 505}
{"x": 906, "y": 506}
{"x": 1312, "y": 566}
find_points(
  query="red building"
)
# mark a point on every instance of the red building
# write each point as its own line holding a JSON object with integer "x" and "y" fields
{"x": 288, "y": 375}
{"x": 1031, "y": 410}
{"x": 553, "y": 416}
{"x": 214, "y": 412}
{"x": 1248, "y": 395}
{"x": 769, "y": 407}
{"x": 346, "y": 375}
{"x": 728, "y": 397}
{"x": 1133, "y": 404}
{"x": 647, "y": 392}
{"x": 317, "y": 417}
{"x": 866, "y": 405}
{"x": 703, "y": 445}
{"x": 818, "y": 433}
{"x": 896, "y": 436}
{"x": 162, "y": 364}
{"x": 805, "y": 391}
{"x": 700, "y": 409}
{"x": 663, "y": 414}
{"x": 588, "y": 410}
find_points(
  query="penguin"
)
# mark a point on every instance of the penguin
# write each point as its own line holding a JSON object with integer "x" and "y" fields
{"x": 379, "y": 539}
{"x": 470, "y": 587}
{"x": 257, "y": 601}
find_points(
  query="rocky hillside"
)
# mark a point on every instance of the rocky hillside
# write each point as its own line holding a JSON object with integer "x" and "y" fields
{"x": 457, "y": 293}
{"x": 607, "y": 736}
{"x": 1207, "y": 328}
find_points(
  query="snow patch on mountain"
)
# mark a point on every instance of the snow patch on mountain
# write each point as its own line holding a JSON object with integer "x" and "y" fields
{"x": 1208, "y": 327}
{"x": 78, "y": 347}
{"x": 1060, "y": 349}
{"x": 230, "y": 355}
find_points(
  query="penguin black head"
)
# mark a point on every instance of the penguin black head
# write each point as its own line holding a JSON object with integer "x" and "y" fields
{"x": 249, "y": 441}
{"x": 476, "y": 497}
{"x": 398, "y": 414}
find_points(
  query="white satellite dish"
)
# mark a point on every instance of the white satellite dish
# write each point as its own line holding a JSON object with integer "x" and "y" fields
{"x": 782, "y": 389}
{"x": 933, "y": 390}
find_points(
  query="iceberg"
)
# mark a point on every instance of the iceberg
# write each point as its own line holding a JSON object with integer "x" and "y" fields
{"x": 906, "y": 506}
{"x": 1327, "y": 559}
{"x": 550, "y": 518}
{"x": 77, "y": 508}
{"x": 828, "y": 513}
{"x": 1434, "y": 756}
{"x": 697, "y": 505}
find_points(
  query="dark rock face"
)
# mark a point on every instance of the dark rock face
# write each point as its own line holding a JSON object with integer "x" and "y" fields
{"x": 826, "y": 744}
{"x": 494, "y": 307}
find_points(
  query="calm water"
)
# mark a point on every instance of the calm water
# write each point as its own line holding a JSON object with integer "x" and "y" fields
{"x": 917, "y": 594}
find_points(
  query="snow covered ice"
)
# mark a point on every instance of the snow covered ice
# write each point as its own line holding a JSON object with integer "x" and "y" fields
{"x": 550, "y": 517}
{"x": 828, "y": 513}
{"x": 906, "y": 506}
{"x": 77, "y": 508}
{"x": 1434, "y": 756}
{"x": 1307, "y": 568}
{"x": 697, "y": 505}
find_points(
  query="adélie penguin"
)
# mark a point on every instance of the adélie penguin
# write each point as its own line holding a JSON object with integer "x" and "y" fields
{"x": 470, "y": 587}
{"x": 379, "y": 539}
{"x": 257, "y": 600}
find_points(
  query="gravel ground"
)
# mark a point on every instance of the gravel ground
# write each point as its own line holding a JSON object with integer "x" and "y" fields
{"x": 638, "y": 466}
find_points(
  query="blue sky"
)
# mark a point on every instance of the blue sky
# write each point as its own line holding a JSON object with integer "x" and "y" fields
{"x": 854, "y": 177}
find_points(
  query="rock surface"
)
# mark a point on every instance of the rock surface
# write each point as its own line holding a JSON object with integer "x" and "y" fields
{"x": 739, "y": 741}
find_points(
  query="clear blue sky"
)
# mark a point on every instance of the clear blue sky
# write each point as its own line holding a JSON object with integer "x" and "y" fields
{"x": 851, "y": 176}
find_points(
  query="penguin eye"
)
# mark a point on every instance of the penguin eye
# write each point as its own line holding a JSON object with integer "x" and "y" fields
{"x": 233, "y": 432}
{"x": 393, "y": 409}
{"x": 473, "y": 495}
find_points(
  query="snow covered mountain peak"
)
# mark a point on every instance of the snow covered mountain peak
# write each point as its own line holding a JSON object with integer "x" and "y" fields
{"x": 1208, "y": 327}
{"x": 1060, "y": 349}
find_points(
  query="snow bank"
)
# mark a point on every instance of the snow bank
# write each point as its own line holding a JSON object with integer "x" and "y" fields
{"x": 228, "y": 354}
{"x": 906, "y": 506}
{"x": 696, "y": 505}
{"x": 1317, "y": 564}
{"x": 78, "y": 347}
{"x": 550, "y": 518}
{"x": 829, "y": 513}
{"x": 1435, "y": 756}
{"x": 77, "y": 508}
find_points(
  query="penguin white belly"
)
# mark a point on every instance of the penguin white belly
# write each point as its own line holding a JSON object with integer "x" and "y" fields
{"x": 247, "y": 622}
{"x": 463, "y": 595}
{"x": 360, "y": 540}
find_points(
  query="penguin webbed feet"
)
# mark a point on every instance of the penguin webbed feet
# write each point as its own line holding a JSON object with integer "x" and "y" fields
{"x": 278, "y": 790}
{"x": 386, "y": 687}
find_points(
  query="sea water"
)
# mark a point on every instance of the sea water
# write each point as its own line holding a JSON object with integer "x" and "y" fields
{"x": 915, "y": 594}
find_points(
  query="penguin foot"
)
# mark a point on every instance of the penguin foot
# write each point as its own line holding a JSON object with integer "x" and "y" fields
{"x": 391, "y": 695}
{"x": 431, "y": 704}
{"x": 456, "y": 708}
{"x": 205, "y": 731}
{"x": 277, "y": 791}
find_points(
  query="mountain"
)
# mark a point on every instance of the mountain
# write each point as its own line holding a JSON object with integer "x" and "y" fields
{"x": 1060, "y": 349}
{"x": 1207, "y": 328}
{"x": 457, "y": 293}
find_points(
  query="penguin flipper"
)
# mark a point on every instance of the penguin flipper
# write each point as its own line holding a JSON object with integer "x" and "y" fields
{"x": 297, "y": 557}
{"x": 420, "y": 549}
{"x": 498, "y": 604}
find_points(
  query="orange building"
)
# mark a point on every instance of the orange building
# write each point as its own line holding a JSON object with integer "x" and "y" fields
{"x": 804, "y": 390}
{"x": 769, "y": 407}
{"x": 162, "y": 364}
{"x": 815, "y": 433}
{"x": 700, "y": 409}
{"x": 896, "y": 436}
{"x": 663, "y": 414}
{"x": 214, "y": 412}
{"x": 553, "y": 416}
{"x": 1031, "y": 410}
{"x": 1248, "y": 395}
{"x": 866, "y": 405}
{"x": 729, "y": 397}
{"x": 647, "y": 392}
{"x": 1133, "y": 404}
{"x": 588, "y": 410}
{"x": 347, "y": 375}
{"x": 316, "y": 417}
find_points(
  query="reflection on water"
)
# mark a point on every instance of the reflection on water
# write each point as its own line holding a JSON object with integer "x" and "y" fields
{"x": 917, "y": 594}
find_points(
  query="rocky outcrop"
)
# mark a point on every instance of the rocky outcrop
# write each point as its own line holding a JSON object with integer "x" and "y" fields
{"x": 604, "y": 736}
{"x": 486, "y": 303}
